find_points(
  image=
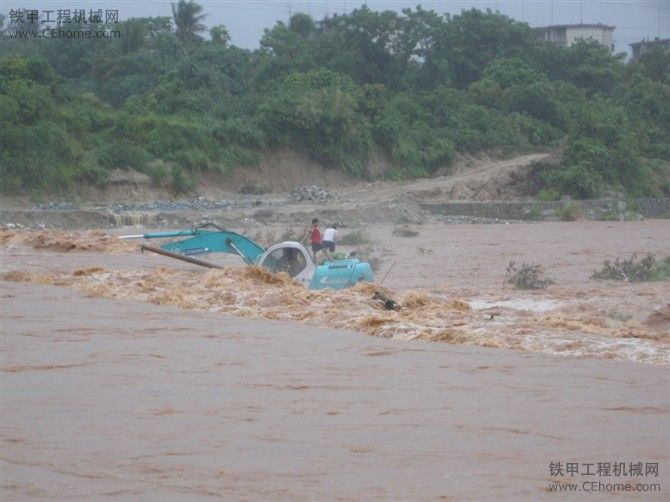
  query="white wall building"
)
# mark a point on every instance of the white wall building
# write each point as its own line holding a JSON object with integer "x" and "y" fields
{"x": 567, "y": 34}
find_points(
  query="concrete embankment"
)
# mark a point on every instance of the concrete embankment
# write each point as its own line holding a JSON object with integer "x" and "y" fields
{"x": 597, "y": 209}
{"x": 274, "y": 211}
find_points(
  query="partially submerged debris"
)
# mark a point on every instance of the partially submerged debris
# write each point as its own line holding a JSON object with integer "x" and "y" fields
{"x": 387, "y": 302}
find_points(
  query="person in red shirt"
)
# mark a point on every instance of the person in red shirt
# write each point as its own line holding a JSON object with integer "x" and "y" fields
{"x": 314, "y": 235}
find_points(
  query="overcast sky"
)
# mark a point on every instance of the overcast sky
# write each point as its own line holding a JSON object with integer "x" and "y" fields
{"x": 245, "y": 19}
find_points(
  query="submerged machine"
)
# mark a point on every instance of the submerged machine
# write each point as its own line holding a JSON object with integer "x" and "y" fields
{"x": 289, "y": 256}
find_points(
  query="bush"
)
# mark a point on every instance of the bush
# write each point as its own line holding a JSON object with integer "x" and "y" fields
{"x": 180, "y": 181}
{"x": 533, "y": 214}
{"x": 157, "y": 172}
{"x": 122, "y": 154}
{"x": 663, "y": 270}
{"x": 578, "y": 180}
{"x": 192, "y": 160}
{"x": 634, "y": 270}
{"x": 93, "y": 173}
{"x": 548, "y": 194}
{"x": 42, "y": 156}
{"x": 240, "y": 132}
{"x": 527, "y": 276}
{"x": 570, "y": 212}
{"x": 235, "y": 156}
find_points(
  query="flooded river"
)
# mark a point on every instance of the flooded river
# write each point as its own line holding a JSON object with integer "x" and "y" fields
{"x": 129, "y": 376}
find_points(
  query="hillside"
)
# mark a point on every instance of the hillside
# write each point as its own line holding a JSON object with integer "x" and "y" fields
{"x": 360, "y": 97}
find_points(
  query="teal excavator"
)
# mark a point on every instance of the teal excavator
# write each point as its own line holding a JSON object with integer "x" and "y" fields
{"x": 289, "y": 257}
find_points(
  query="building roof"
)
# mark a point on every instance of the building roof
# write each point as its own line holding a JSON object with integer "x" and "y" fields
{"x": 656, "y": 41}
{"x": 564, "y": 26}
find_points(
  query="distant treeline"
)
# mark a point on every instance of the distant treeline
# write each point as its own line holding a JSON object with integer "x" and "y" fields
{"x": 415, "y": 86}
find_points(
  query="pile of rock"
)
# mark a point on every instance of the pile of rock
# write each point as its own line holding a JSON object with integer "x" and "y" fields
{"x": 310, "y": 193}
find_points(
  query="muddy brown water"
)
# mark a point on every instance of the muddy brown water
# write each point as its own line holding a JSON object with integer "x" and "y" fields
{"x": 126, "y": 376}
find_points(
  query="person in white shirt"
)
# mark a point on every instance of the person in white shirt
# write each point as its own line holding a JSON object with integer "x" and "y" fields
{"x": 328, "y": 240}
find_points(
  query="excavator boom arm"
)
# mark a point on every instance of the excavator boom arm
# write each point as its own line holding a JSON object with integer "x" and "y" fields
{"x": 210, "y": 241}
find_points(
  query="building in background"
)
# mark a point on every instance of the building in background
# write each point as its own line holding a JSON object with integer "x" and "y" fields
{"x": 644, "y": 46}
{"x": 567, "y": 34}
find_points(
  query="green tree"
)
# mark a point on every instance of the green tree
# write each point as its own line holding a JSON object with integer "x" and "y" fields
{"x": 220, "y": 35}
{"x": 318, "y": 111}
{"x": 133, "y": 35}
{"x": 282, "y": 51}
{"x": 654, "y": 64}
{"x": 592, "y": 66}
{"x": 188, "y": 20}
{"x": 466, "y": 43}
{"x": 302, "y": 24}
{"x": 361, "y": 46}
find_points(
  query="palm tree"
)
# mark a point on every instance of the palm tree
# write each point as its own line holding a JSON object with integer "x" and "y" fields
{"x": 187, "y": 20}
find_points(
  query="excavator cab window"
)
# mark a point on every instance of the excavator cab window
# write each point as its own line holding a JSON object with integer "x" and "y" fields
{"x": 291, "y": 261}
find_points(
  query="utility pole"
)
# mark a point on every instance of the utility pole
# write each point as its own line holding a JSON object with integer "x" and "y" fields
{"x": 581, "y": 12}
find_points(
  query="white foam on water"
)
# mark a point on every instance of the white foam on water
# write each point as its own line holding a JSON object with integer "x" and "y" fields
{"x": 529, "y": 305}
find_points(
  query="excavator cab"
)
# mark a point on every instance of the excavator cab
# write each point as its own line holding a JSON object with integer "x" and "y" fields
{"x": 291, "y": 258}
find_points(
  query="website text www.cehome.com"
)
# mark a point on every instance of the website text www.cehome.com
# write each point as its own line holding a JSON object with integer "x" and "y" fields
{"x": 600, "y": 487}
{"x": 60, "y": 33}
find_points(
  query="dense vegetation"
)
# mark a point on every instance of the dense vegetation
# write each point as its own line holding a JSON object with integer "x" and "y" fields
{"x": 416, "y": 87}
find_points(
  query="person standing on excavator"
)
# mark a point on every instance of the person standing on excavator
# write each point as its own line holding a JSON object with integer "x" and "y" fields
{"x": 328, "y": 241}
{"x": 314, "y": 235}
